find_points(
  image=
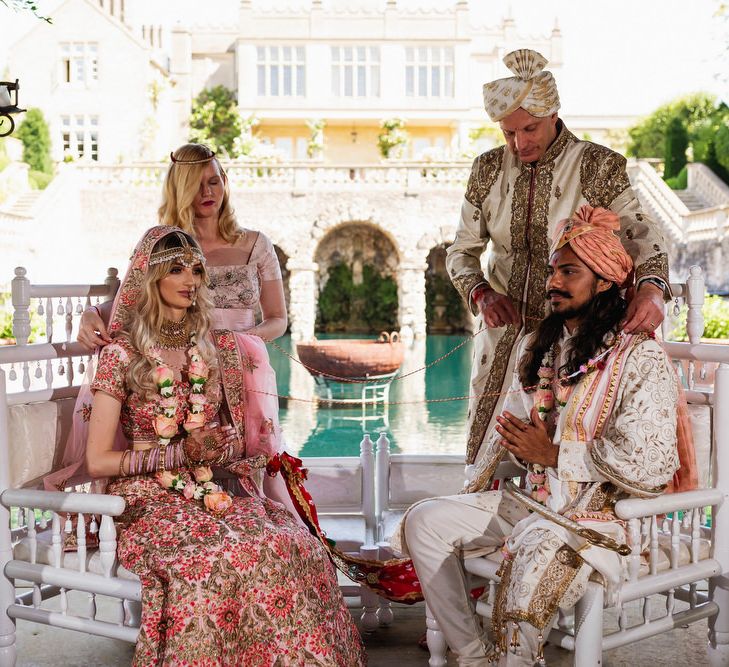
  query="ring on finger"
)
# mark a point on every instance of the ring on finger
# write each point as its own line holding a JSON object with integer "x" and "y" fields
{"x": 210, "y": 441}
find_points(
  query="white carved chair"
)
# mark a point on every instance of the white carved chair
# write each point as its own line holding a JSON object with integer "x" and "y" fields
{"x": 404, "y": 479}
{"x": 688, "y": 532}
{"x": 37, "y": 395}
{"x": 343, "y": 489}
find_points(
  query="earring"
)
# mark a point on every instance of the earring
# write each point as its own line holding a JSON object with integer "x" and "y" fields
{"x": 193, "y": 298}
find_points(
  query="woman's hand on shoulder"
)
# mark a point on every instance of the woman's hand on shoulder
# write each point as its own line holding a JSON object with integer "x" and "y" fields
{"x": 92, "y": 332}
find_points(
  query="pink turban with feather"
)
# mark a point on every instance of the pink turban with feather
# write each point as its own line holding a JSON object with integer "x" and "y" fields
{"x": 591, "y": 233}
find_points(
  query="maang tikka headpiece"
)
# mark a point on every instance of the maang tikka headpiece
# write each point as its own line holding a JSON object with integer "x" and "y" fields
{"x": 187, "y": 255}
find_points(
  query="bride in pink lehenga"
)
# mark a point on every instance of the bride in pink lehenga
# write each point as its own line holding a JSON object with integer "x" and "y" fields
{"x": 225, "y": 580}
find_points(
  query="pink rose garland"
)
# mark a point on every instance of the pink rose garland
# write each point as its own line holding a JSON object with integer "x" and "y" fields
{"x": 201, "y": 487}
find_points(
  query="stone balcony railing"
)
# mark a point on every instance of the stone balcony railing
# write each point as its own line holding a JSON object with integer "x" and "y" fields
{"x": 295, "y": 177}
{"x": 707, "y": 185}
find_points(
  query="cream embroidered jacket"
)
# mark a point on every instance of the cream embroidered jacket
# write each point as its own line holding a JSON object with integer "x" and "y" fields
{"x": 618, "y": 425}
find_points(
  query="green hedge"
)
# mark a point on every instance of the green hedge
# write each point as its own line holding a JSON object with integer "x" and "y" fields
{"x": 716, "y": 320}
{"x": 370, "y": 306}
{"x": 38, "y": 180}
{"x": 37, "y": 323}
{"x": 679, "y": 182}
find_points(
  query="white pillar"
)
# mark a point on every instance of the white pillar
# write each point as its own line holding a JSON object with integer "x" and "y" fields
{"x": 181, "y": 71}
{"x": 303, "y": 292}
{"x": 411, "y": 300}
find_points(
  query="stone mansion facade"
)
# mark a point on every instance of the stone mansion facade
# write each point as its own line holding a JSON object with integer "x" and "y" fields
{"x": 117, "y": 88}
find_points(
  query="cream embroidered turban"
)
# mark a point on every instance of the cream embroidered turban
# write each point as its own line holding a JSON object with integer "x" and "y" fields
{"x": 530, "y": 88}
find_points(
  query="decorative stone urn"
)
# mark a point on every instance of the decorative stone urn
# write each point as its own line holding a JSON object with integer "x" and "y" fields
{"x": 352, "y": 357}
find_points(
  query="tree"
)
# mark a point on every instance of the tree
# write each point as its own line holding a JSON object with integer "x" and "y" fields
{"x": 721, "y": 145}
{"x": 699, "y": 113}
{"x": 36, "y": 141}
{"x": 393, "y": 138}
{"x": 676, "y": 143}
{"x": 25, "y": 5}
{"x": 712, "y": 159}
{"x": 215, "y": 120}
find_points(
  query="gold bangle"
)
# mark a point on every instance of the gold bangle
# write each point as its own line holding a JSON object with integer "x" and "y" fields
{"x": 145, "y": 460}
{"x": 124, "y": 455}
{"x": 161, "y": 463}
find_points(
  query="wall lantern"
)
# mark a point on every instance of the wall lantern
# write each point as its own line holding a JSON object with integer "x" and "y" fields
{"x": 8, "y": 107}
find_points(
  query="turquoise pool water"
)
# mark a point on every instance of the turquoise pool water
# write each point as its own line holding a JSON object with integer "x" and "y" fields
{"x": 411, "y": 424}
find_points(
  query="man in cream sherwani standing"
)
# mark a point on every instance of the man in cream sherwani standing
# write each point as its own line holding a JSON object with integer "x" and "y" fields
{"x": 515, "y": 195}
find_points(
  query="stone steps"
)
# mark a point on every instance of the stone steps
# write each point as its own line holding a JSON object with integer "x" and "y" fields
{"x": 23, "y": 205}
{"x": 693, "y": 201}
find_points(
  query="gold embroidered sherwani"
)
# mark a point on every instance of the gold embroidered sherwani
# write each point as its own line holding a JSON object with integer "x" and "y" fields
{"x": 510, "y": 209}
{"x": 617, "y": 438}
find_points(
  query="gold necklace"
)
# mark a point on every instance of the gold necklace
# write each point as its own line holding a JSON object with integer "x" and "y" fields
{"x": 173, "y": 335}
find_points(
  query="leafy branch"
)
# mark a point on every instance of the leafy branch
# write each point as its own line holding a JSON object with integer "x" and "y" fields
{"x": 25, "y": 5}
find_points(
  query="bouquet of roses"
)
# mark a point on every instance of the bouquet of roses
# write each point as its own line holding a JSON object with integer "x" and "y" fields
{"x": 199, "y": 486}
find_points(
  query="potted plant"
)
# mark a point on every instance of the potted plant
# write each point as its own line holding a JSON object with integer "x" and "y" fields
{"x": 392, "y": 139}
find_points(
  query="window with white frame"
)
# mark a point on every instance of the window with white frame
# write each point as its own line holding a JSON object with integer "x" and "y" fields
{"x": 80, "y": 136}
{"x": 281, "y": 71}
{"x": 355, "y": 71}
{"x": 79, "y": 62}
{"x": 429, "y": 71}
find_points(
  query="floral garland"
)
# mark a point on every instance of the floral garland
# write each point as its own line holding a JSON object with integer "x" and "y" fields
{"x": 546, "y": 401}
{"x": 200, "y": 486}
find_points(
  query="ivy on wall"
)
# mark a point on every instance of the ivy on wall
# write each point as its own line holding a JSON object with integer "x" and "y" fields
{"x": 369, "y": 307}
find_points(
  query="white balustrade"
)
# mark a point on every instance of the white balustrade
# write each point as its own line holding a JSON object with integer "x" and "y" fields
{"x": 48, "y": 366}
{"x": 710, "y": 188}
{"x": 707, "y": 224}
{"x": 661, "y": 202}
{"x": 294, "y": 176}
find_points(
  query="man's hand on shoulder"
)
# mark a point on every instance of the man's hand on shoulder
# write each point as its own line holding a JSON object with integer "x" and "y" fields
{"x": 497, "y": 309}
{"x": 646, "y": 311}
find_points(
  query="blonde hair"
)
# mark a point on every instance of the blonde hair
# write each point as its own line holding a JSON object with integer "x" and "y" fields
{"x": 147, "y": 318}
{"x": 182, "y": 184}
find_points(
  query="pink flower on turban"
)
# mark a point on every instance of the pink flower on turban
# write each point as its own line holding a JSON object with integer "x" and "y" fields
{"x": 591, "y": 233}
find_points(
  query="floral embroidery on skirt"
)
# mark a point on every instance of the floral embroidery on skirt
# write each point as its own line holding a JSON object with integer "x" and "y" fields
{"x": 251, "y": 588}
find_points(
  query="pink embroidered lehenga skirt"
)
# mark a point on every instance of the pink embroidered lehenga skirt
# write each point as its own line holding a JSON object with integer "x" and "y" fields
{"x": 252, "y": 588}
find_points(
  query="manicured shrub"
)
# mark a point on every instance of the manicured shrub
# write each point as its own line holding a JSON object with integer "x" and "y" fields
{"x": 675, "y": 145}
{"x": 36, "y": 138}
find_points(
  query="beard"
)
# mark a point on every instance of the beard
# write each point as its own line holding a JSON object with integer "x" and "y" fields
{"x": 574, "y": 313}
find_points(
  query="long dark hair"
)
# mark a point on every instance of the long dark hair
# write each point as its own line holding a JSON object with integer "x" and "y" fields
{"x": 601, "y": 316}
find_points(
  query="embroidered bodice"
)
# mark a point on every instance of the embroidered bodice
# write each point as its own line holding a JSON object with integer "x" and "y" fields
{"x": 236, "y": 275}
{"x": 138, "y": 412}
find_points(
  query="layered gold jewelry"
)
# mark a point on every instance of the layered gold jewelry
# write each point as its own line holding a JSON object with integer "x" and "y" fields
{"x": 173, "y": 335}
{"x": 186, "y": 254}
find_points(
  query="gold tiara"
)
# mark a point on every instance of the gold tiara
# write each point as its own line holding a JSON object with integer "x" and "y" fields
{"x": 178, "y": 160}
{"x": 187, "y": 255}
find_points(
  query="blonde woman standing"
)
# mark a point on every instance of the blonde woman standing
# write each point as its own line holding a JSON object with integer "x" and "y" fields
{"x": 244, "y": 272}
